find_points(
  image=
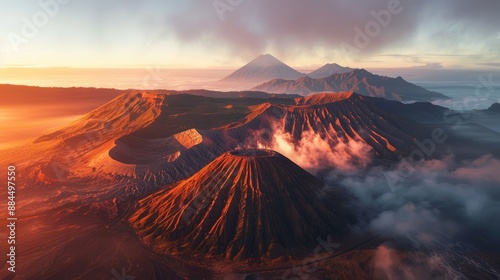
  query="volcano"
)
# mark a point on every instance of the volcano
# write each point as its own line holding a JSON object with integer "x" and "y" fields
{"x": 246, "y": 204}
{"x": 263, "y": 68}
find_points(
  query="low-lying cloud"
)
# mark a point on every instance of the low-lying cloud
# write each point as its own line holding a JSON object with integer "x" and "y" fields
{"x": 418, "y": 225}
{"x": 439, "y": 201}
{"x": 485, "y": 168}
{"x": 312, "y": 152}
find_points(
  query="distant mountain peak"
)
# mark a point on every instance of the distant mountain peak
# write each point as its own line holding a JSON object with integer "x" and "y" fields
{"x": 361, "y": 71}
{"x": 331, "y": 65}
{"x": 266, "y": 55}
{"x": 263, "y": 68}
{"x": 266, "y": 60}
{"x": 328, "y": 70}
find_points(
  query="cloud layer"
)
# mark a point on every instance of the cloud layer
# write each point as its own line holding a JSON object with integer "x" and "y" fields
{"x": 437, "y": 203}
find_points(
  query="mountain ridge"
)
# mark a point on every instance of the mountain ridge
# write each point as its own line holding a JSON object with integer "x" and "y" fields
{"x": 359, "y": 80}
{"x": 151, "y": 137}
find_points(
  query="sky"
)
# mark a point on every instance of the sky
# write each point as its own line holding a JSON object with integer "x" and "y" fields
{"x": 452, "y": 34}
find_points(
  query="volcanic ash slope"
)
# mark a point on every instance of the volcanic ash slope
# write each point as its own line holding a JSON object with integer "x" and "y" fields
{"x": 246, "y": 204}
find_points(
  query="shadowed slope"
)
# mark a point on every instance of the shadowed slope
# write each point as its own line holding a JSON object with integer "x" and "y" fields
{"x": 245, "y": 204}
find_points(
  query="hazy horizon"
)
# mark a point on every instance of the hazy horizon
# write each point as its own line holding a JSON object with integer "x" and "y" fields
{"x": 152, "y": 77}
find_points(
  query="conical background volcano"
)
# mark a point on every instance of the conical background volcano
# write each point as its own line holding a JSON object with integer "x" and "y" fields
{"x": 263, "y": 68}
{"x": 246, "y": 204}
